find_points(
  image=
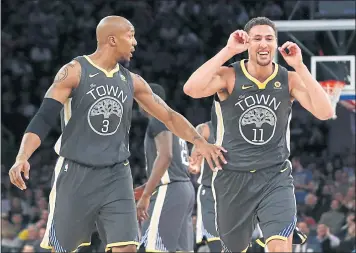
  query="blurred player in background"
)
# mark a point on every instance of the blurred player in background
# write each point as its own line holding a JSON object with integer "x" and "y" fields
{"x": 167, "y": 203}
{"x": 205, "y": 200}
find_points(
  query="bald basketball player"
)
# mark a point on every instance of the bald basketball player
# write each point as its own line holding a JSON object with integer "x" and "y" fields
{"x": 253, "y": 104}
{"x": 92, "y": 178}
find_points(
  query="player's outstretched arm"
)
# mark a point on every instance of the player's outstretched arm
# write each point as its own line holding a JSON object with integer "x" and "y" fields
{"x": 175, "y": 122}
{"x": 196, "y": 160}
{"x": 302, "y": 85}
{"x": 67, "y": 78}
{"x": 164, "y": 142}
{"x": 210, "y": 78}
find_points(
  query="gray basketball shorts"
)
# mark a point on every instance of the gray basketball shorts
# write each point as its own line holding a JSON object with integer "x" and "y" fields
{"x": 84, "y": 197}
{"x": 206, "y": 215}
{"x": 244, "y": 199}
{"x": 169, "y": 227}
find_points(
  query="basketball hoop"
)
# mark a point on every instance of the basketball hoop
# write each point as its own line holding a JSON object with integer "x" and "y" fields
{"x": 333, "y": 88}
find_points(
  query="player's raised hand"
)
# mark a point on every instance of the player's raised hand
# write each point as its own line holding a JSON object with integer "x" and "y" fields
{"x": 238, "y": 42}
{"x": 16, "y": 171}
{"x": 211, "y": 153}
{"x": 294, "y": 56}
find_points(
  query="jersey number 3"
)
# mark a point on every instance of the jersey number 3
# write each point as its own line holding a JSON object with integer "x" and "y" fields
{"x": 105, "y": 127}
{"x": 184, "y": 152}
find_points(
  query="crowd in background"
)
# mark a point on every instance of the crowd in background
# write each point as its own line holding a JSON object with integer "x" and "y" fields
{"x": 174, "y": 38}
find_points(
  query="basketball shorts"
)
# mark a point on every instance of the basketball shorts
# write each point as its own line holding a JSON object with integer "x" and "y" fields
{"x": 169, "y": 227}
{"x": 206, "y": 215}
{"x": 83, "y": 197}
{"x": 244, "y": 199}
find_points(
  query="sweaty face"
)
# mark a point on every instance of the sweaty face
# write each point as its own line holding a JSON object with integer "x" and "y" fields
{"x": 262, "y": 44}
{"x": 126, "y": 43}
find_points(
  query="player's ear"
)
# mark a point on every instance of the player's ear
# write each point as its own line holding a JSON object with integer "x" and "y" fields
{"x": 112, "y": 40}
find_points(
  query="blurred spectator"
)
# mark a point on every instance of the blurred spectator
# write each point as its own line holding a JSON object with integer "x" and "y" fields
{"x": 311, "y": 245}
{"x": 327, "y": 240}
{"x": 348, "y": 243}
{"x": 28, "y": 248}
{"x": 334, "y": 219}
{"x": 302, "y": 180}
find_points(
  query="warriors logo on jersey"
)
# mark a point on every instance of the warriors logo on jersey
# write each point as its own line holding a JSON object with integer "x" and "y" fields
{"x": 257, "y": 122}
{"x": 104, "y": 116}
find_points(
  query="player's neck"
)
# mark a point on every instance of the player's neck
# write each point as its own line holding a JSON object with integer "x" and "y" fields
{"x": 259, "y": 72}
{"x": 103, "y": 59}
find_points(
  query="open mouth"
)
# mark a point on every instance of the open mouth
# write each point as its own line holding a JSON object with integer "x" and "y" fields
{"x": 263, "y": 53}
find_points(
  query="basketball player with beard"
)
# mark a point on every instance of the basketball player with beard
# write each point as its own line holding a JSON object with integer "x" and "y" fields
{"x": 253, "y": 102}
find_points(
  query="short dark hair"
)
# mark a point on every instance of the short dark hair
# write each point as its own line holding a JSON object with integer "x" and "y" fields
{"x": 158, "y": 90}
{"x": 260, "y": 21}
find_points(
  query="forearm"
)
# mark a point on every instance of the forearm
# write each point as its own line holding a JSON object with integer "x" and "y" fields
{"x": 181, "y": 127}
{"x": 203, "y": 75}
{"x": 30, "y": 142}
{"x": 160, "y": 167}
{"x": 319, "y": 99}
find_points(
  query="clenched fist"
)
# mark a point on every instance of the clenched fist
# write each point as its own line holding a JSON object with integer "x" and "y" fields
{"x": 238, "y": 42}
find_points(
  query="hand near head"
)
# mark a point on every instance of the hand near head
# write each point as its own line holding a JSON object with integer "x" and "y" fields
{"x": 294, "y": 56}
{"x": 238, "y": 42}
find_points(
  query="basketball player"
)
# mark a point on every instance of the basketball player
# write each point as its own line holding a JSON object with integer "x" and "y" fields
{"x": 253, "y": 106}
{"x": 167, "y": 203}
{"x": 205, "y": 200}
{"x": 92, "y": 179}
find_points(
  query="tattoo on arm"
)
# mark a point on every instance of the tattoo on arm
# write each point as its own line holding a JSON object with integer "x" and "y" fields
{"x": 156, "y": 98}
{"x": 63, "y": 73}
{"x": 197, "y": 137}
{"x": 159, "y": 100}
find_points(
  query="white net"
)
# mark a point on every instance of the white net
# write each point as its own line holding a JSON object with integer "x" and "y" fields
{"x": 333, "y": 89}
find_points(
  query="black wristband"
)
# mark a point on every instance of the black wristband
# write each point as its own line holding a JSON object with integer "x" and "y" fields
{"x": 45, "y": 118}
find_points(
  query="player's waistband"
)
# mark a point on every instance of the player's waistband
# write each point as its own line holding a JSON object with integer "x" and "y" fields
{"x": 176, "y": 181}
{"x": 278, "y": 167}
{"x": 123, "y": 163}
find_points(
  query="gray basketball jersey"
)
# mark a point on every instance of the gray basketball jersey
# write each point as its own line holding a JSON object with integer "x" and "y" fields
{"x": 206, "y": 173}
{"x": 96, "y": 119}
{"x": 253, "y": 122}
{"x": 178, "y": 169}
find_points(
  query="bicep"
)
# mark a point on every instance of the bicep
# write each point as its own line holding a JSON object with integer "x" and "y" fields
{"x": 149, "y": 101}
{"x": 164, "y": 143}
{"x": 217, "y": 84}
{"x": 299, "y": 92}
{"x": 67, "y": 78}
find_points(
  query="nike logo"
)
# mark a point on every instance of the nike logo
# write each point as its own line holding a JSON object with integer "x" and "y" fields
{"x": 127, "y": 163}
{"x": 91, "y": 75}
{"x": 244, "y": 87}
{"x": 284, "y": 170}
